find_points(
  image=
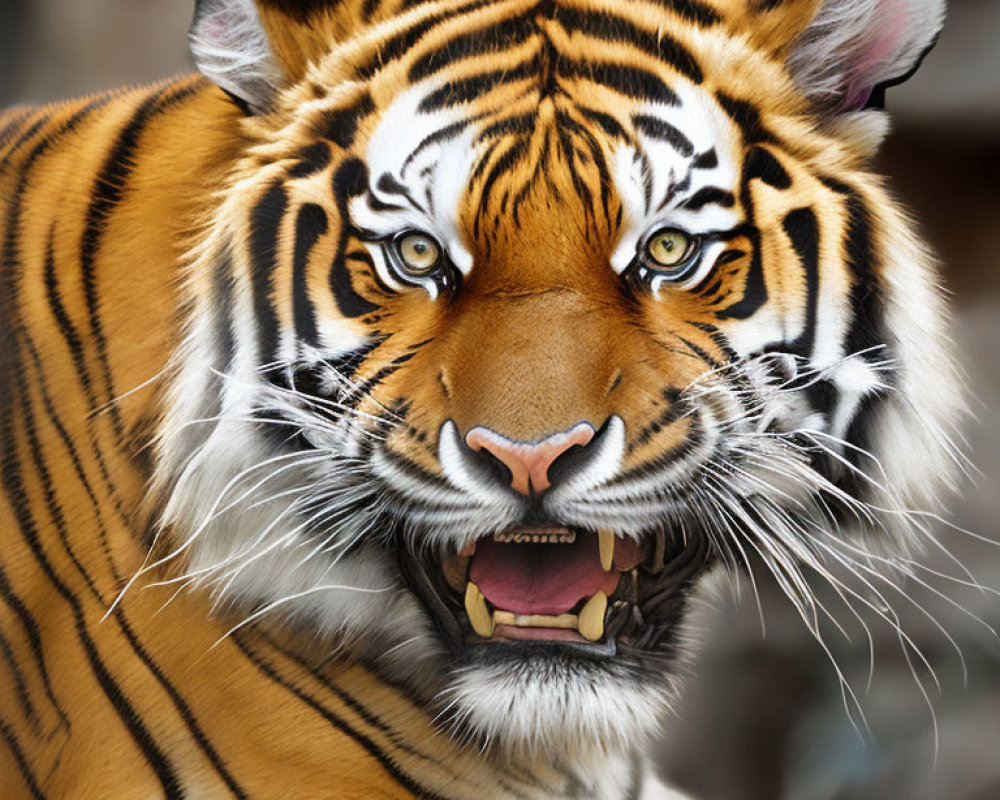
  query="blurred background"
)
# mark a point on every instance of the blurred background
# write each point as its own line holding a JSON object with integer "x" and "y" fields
{"x": 763, "y": 716}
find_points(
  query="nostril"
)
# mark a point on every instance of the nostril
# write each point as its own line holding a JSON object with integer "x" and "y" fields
{"x": 576, "y": 458}
{"x": 496, "y": 468}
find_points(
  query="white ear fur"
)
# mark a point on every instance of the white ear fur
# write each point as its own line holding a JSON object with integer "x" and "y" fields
{"x": 231, "y": 48}
{"x": 855, "y": 48}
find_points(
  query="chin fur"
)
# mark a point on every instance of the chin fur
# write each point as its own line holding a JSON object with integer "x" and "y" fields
{"x": 549, "y": 706}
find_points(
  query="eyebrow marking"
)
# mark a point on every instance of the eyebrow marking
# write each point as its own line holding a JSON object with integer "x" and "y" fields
{"x": 707, "y": 160}
{"x": 662, "y": 131}
{"x": 709, "y": 195}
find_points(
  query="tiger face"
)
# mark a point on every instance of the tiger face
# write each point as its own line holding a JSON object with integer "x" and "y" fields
{"x": 518, "y": 319}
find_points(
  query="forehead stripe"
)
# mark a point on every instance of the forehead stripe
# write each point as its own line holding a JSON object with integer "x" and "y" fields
{"x": 693, "y": 11}
{"x": 632, "y": 81}
{"x": 465, "y": 90}
{"x": 610, "y": 27}
{"x": 393, "y": 48}
{"x": 469, "y": 44}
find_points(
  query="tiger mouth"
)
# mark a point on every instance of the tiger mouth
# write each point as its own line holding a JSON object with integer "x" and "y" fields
{"x": 588, "y": 590}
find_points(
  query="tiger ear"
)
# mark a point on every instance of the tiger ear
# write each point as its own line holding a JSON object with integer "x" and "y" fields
{"x": 253, "y": 49}
{"x": 853, "y": 50}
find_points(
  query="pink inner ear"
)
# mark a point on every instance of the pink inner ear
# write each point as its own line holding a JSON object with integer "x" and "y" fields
{"x": 870, "y": 60}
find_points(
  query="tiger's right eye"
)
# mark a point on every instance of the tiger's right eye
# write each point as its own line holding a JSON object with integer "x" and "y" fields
{"x": 418, "y": 253}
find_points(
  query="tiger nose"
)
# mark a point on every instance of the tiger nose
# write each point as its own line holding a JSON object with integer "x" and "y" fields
{"x": 529, "y": 462}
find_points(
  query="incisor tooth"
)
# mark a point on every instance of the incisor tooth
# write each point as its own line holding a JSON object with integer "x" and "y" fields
{"x": 606, "y": 543}
{"x": 567, "y": 621}
{"x": 591, "y": 620}
{"x": 479, "y": 614}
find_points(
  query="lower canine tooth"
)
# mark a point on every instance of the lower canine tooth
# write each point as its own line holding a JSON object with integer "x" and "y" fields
{"x": 606, "y": 543}
{"x": 591, "y": 620}
{"x": 479, "y": 614}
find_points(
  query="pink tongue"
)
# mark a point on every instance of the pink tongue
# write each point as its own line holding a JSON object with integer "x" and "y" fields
{"x": 540, "y": 578}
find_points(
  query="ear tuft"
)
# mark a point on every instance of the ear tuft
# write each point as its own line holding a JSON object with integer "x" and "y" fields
{"x": 230, "y": 47}
{"x": 854, "y": 49}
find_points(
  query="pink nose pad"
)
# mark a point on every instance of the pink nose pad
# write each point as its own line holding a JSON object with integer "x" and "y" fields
{"x": 529, "y": 463}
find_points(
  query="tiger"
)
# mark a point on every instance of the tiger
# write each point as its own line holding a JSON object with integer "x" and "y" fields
{"x": 378, "y": 401}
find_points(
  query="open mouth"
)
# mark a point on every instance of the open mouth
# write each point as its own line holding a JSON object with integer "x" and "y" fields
{"x": 559, "y": 586}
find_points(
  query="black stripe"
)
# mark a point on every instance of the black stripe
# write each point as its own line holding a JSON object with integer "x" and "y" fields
{"x": 868, "y": 328}
{"x": 10, "y": 739}
{"x": 74, "y": 456}
{"x": 596, "y": 154}
{"x": 701, "y": 352}
{"x": 20, "y": 687}
{"x": 364, "y": 389}
{"x": 612, "y": 28}
{"x": 520, "y": 124}
{"x": 107, "y": 193}
{"x": 75, "y": 345}
{"x": 755, "y": 290}
{"x": 663, "y": 131}
{"x": 31, "y": 631}
{"x": 265, "y": 231}
{"x": 300, "y": 10}
{"x": 24, "y": 137}
{"x": 52, "y": 505}
{"x": 500, "y": 166}
{"x": 341, "y": 126}
{"x": 707, "y": 160}
{"x": 384, "y": 760}
{"x": 454, "y": 93}
{"x": 391, "y": 49}
{"x": 507, "y": 33}
{"x": 761, "y": 165}
{"x": 186, "y": 714}
{"x": 13, "y": 484}
{"x": 692, "y": 10}
{"x": 611, "y": 126}
{"x": 709, "y": 195}
{"x": 445, "y": 134}
{"x": 312, "y": 160}
{"x": 58, "y": 518}
{"x": 309, "y": 226}
{"x": 635, "y": 82}
{"x": 350, "y": 180}
{"x": 802, "y": 230}
{"x": 747, "y": 117}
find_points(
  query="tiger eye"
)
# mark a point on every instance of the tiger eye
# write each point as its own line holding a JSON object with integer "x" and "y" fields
{"x": 418, "y": 253}
{"x": 669, "y": 248}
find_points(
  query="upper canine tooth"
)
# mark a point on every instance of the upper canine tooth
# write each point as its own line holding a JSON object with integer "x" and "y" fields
{"x": 606, "y": 543}
{"x": 479, "y": 614}
{"x": 590, "y": 622}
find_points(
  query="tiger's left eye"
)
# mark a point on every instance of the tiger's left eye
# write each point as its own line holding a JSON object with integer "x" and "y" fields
{"x": 419, "y": 253}
{"x": 669, "y": 250}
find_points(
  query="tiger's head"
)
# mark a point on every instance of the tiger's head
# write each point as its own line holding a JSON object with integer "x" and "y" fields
{"x": 518, "y": 318}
